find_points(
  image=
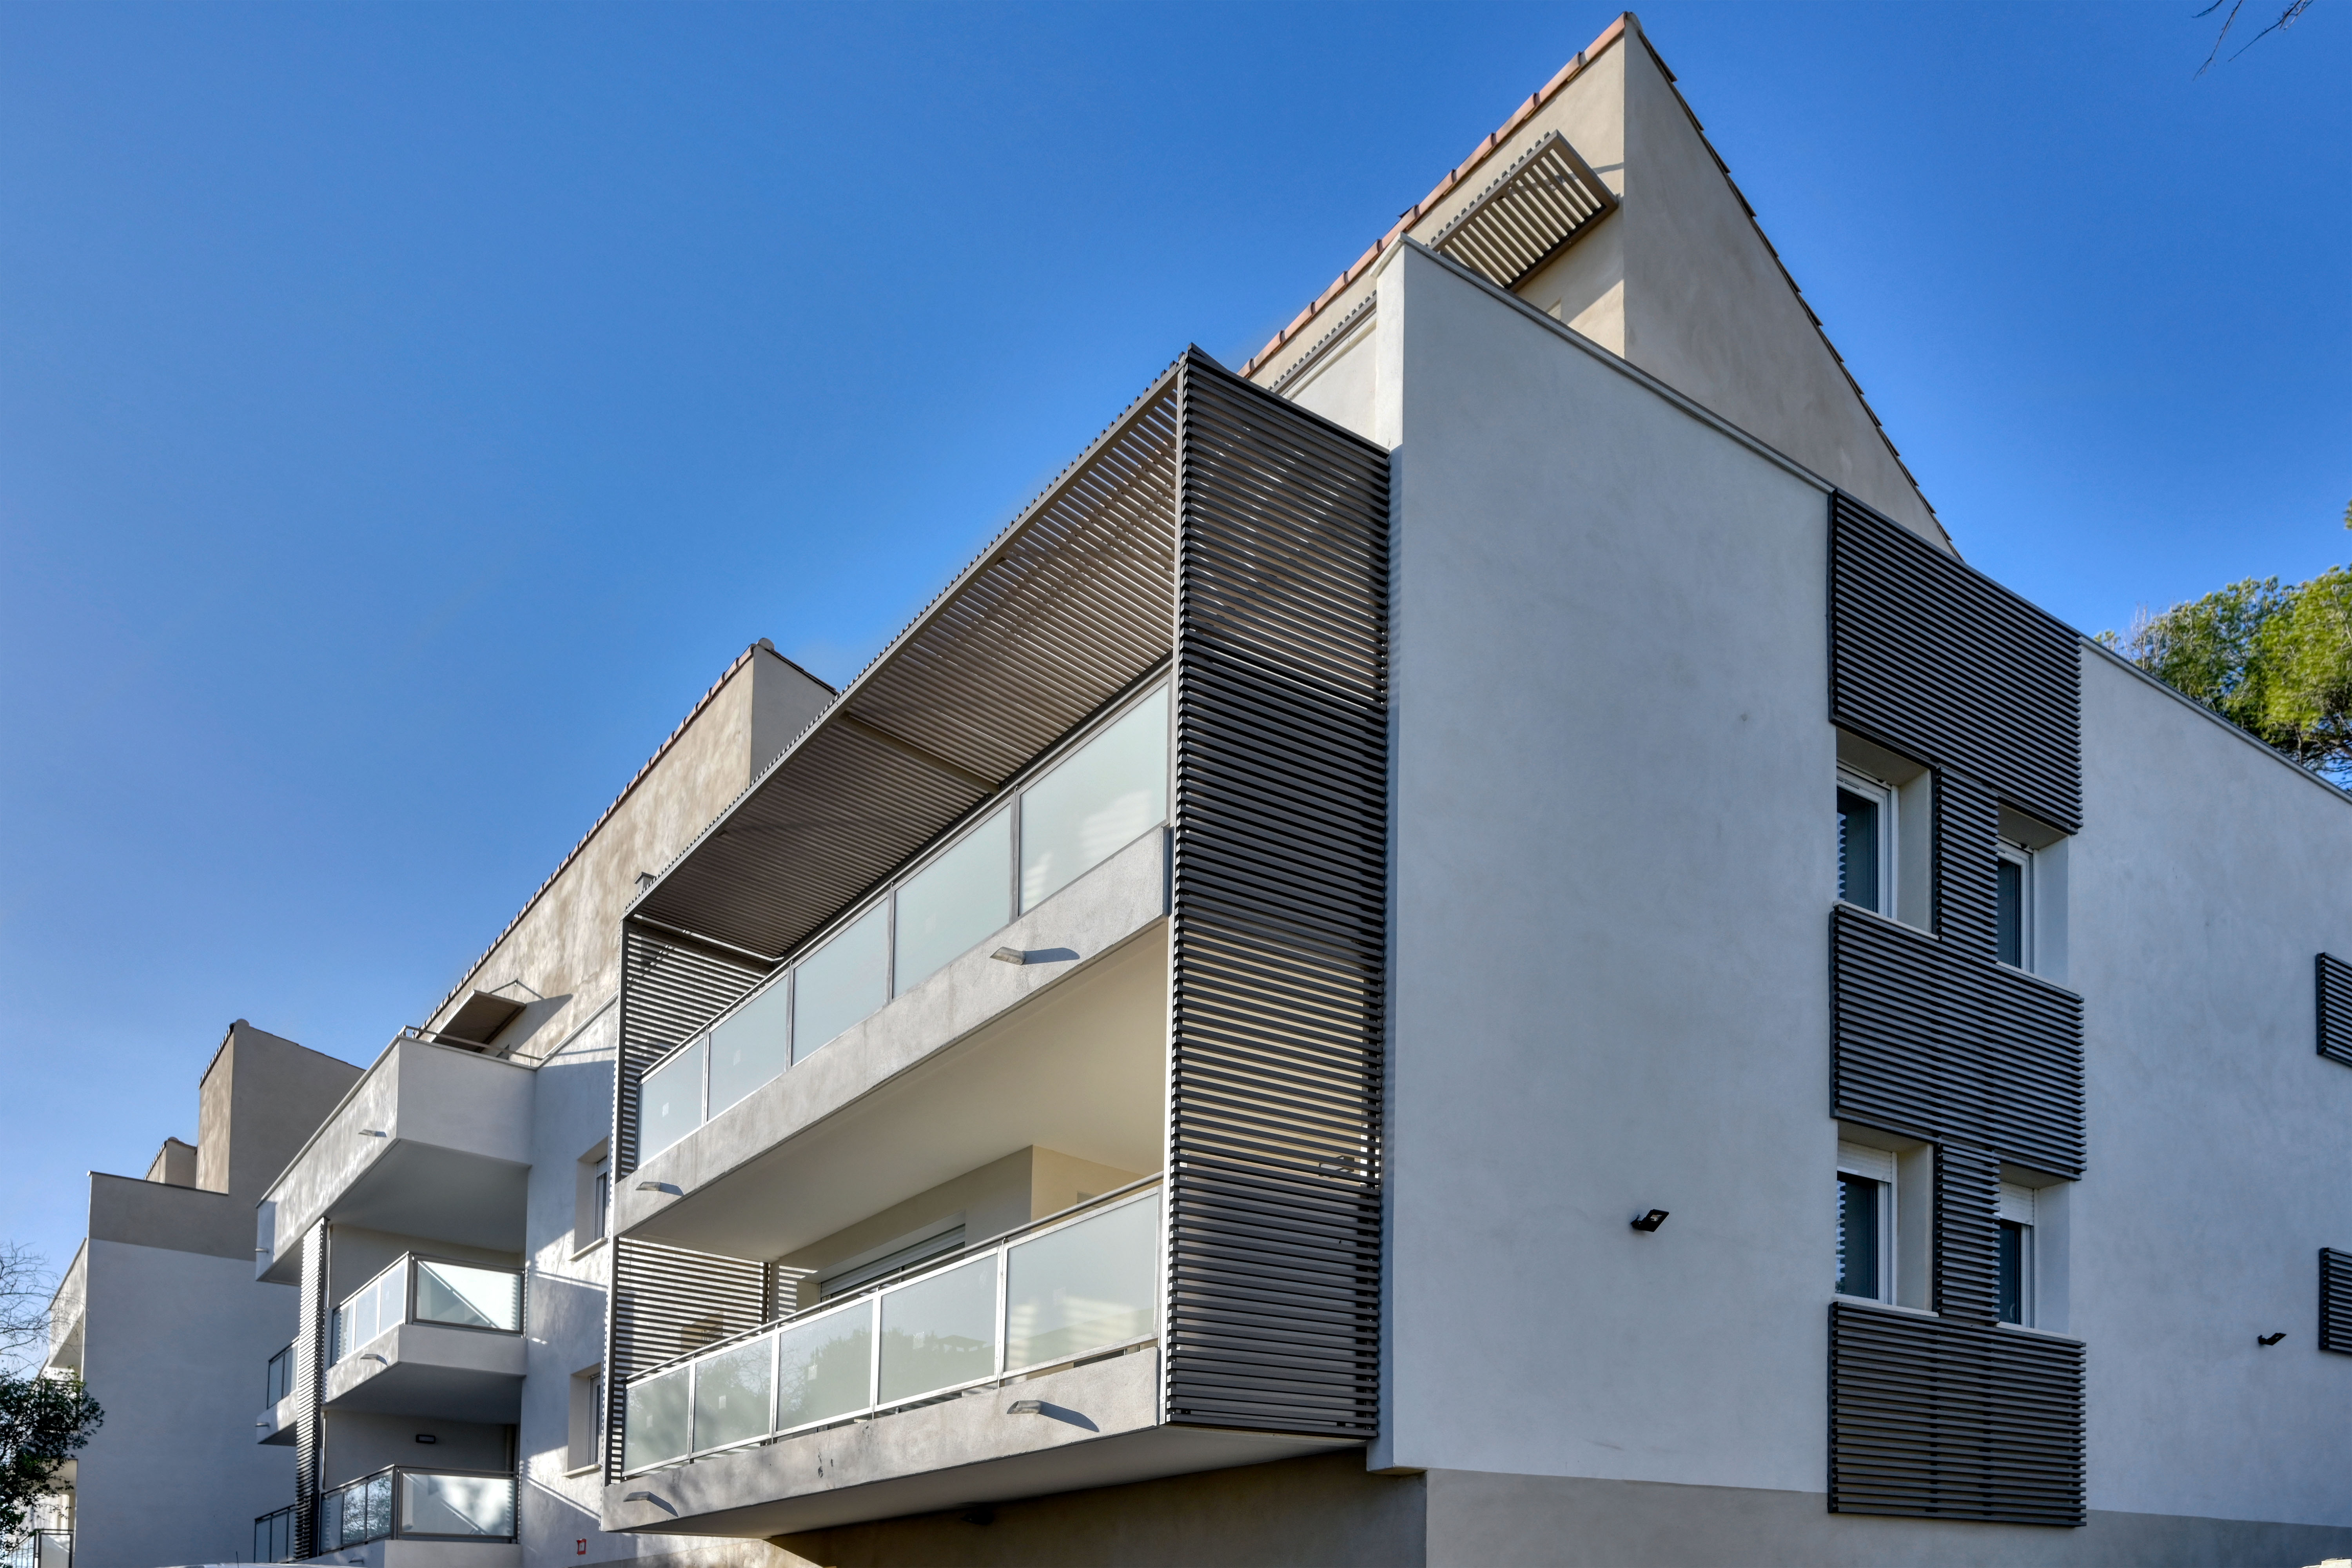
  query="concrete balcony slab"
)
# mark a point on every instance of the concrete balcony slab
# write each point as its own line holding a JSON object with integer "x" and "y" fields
{"x": 427, "y": 1369}
{"x": 1095, "y": 1425}
{"x": 435, "y": 1142}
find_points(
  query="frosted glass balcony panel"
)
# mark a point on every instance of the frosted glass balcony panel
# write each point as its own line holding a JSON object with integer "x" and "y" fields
{"x": 960, "y": 898}
{"x": 669, "y": 1101}
{"x": 457, "y": 1505}
{"x": 730, "y": 1395}
{"x": 841, "y": 981}
{"x": 469, "y": 1298}
{"x": 1079, "y": 1289}
{"x": 658, "y": 1421}
{"x": 750, "y": 1048}
{"x": 825, "y": 1368}
{"x": 1097, "y": 800}
{"x": 375, "y": 1307}
{"x": 939, "y": 1332}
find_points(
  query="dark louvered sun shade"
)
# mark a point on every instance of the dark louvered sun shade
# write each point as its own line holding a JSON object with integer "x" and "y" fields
{"x": 1278, "y": 916}
{"x": 1933, "y": 1418}
{"x": 2336, "y": 1300}
{"x": 1950, "y": 667}
{"x": 2334, "y": 978}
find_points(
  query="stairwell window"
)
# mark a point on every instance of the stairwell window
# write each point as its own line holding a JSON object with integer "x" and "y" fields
{"x": 1865, "y": 1223}
{"x": 2013, "y": 906}
{"x": 1866, "y": 809}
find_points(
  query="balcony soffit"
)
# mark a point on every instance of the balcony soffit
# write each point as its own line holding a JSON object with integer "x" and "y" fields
{"x": 1068, "y": 608}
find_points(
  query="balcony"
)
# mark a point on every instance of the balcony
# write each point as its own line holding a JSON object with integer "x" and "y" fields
{"x": 41, "y": 1549}
{"x": 276, "y": 1426}
{"x": 1025, "y": 1347}
{"x": 1054, "y": 872}
{"x": 402, "y": 1503}
{"x": 433, "y": 1143}
{"x": 430, "y": 1336}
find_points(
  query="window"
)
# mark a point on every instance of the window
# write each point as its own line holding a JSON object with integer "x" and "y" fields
{"x": 587, "y": 1425}
{"x": 1866, "y": 842}
{"x": 1865, "y": 1233}
{"x": 2015, "y": 1290}
{"x": 2013, "y": 906}
{"x": 591, "y": 1198}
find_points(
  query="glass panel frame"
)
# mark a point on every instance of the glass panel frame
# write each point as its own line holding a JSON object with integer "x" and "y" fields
{"x": 1089, "y": 1251}
{"x": 750, "y": 1046}
{"x": 938, "y": 911}
{"x": 457, "y": 1494}
{"x": 472, "y": 1291}
{"x": 665, "y": 1398}
{"x": 842, "y": 984}
{"x": 1096, "y": 801}
{"x": 804, "y": 1366}
{"x": 719, "y": 1377}
{"x": 663, "y": 1123}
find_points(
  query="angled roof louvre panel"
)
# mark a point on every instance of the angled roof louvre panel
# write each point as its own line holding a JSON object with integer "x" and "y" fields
{"x": 1542, "y": 203}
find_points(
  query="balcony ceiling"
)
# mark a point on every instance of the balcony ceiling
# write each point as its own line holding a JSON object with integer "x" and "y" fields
{"x": 1069, "y": 607}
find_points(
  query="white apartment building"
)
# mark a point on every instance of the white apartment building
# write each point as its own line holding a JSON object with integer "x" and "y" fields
{"x": 1476, "y": 944}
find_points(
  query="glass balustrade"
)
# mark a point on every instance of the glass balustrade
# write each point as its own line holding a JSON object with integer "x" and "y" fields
{"x": 1038, "y": 1298}
{"x": 427, "y": 1290}
{"x": 279, "y": 1381}
{"x": 1103, "y": 796}
{"x": 402, "y": 1502}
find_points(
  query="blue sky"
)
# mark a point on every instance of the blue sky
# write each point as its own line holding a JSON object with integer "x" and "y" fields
{"x": 407, "y": 412}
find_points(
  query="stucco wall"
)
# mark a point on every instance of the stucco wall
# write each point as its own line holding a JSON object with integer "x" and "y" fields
{"x": 1611, "y": 932}
{"x": 2207, "y": 875}
{"x": 177, "y": 1345}
{"x": 565, "y": 946}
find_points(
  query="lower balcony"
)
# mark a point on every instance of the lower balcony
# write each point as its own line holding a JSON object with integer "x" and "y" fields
{"x": 1022, "y": 1366}
{"x": 39, "y": 1549}
{"x": 409, "y": 1515}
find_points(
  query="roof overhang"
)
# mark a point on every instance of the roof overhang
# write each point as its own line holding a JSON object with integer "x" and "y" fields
{"x": 1067, "y": 609}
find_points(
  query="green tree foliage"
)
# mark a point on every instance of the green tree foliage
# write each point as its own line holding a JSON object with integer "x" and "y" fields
{"x": 42, "y": 1421}
{"x": 2273, "y": 660}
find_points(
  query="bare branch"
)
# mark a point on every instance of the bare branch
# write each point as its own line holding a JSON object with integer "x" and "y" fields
{"x": 2286, "y": 18}
{"x": 24, "y": 1288}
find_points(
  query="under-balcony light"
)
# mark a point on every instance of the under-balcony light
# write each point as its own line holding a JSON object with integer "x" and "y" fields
{"x": 669, "y": 1187}
{"x": 373, "y": 1132}
{"x": 1010, "y": 955}
{"x": 1025, "y": 1408}
{"x": 1651, "y": 1221}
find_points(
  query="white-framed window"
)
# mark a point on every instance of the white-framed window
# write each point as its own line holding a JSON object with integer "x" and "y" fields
{"x": 1866, "y": 841}
{"x": 587, "y": 1443}
{"x": 2013, "y": 905}
{"x": 1865, "y": 1222}
{"x": 2017, "y": 1260}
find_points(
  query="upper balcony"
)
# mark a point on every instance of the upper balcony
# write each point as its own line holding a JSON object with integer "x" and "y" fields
{"x": 433, "y": 1143}
{"x": 1022, "y": 941}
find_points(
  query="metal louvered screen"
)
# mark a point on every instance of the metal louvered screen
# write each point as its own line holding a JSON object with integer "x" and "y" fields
{"x": 1067, "y": 609}
{"x": 1935, "y": 1419}
{"x": 1967, "y": 1234}
{"x": 1950, "y": 667}
{"x": 1278, "y": 916}
{"x": 310, "y": 1382}
{"x": 666, "y": 1302}
{"x": 669, "y": 990}
{"x": 1930, "y": 1042}
{"x": 2336, "y": 1300}
{"x": 1533, "y": 210}
{"x": 2334, "y": 1008}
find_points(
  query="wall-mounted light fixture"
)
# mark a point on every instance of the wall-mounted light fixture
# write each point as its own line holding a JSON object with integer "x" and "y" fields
{"x": 426, "y": 1437}
{"x": 669, "y": 1187}
{"x": 373, "y": 1132}
{"x": 1025, "y": 1408}
{"x": 1650, "y": 1221}
{"x": 1010, "y": 955}
{"x": 2269, "y": 1339}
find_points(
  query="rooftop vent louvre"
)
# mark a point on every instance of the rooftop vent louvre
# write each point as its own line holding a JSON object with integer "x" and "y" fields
{"x": 478, "y": 1019}
{"x": 1542, "y": 202}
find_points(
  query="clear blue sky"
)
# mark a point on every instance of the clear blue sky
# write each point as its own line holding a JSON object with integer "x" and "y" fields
{"x": 405, "y": 412}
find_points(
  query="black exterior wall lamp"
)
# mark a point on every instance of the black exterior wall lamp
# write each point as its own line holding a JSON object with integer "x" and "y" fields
{"x": 1650, "y": 1221}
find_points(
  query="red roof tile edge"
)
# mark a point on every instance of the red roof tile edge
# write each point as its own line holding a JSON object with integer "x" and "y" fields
{"x": 1610, "y": 35}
